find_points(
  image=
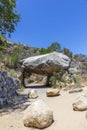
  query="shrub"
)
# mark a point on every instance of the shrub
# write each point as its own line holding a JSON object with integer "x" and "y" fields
{"x": 76, "y": 80}
{"x": 43, "y": 51}
{"x": 12, "y": 60}
{"x": 57, "y": 77}
{"x": 68, "y": 52}
{"x": 12, "y": 73}
{"x": 55, "y": 46}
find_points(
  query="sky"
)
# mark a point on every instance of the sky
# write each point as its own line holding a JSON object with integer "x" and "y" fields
{"x": 45, "y": 21}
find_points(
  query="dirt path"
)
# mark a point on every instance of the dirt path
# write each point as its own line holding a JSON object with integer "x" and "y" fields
{"x": 64, "y": 116}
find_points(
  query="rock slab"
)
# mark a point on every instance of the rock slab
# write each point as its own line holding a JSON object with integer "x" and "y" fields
{"x": 52, "y": 92}
{"x": 38, "y": 115}
{"x": 76, "y": 90}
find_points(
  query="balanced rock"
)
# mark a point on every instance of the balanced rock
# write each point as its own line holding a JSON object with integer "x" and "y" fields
{"x": 52, "y": 92}
{"x": 80, "y": 104}
{"x": 38, "y": 115}
{"x": 46, "y": 64}
{"x": 33, "y": 94}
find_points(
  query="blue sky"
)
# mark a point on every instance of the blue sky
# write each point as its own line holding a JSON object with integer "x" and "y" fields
{"x": 46, "y": 21}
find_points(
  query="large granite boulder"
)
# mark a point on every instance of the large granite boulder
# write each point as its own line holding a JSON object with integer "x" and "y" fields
{"x": 46, "y": 64}
{"x": 38, "y": 115}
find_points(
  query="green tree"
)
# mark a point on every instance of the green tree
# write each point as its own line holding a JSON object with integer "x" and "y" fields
{"x": 12, "y": 59}
{"x": 8, "y": 16}
{"x": 43, "y": 51}
{"x": 55, "y": 46}
{"x": 67, "y": 52}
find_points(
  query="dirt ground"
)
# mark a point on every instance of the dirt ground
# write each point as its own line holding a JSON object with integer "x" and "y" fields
{"x": 64, "y": 116}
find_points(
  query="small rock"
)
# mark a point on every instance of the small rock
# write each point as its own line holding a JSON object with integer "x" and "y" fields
{"x": 11, "y": 126}
{"x": 80, "y": 104}
{"x": 38, "y": 115}
{"x": 52, "y": 92}
{"x": 85, "y": 90}
{"x": 33, "y": 94}
{"x": 76, "y": 90}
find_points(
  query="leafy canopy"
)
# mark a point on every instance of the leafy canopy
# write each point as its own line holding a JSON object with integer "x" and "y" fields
{"x": 8, "y": 16}
{"x": 55, "y": 46}
{"x": 67, "y": 52}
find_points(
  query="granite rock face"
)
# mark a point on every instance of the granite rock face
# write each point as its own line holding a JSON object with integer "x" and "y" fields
{"x": 7, "y": 88}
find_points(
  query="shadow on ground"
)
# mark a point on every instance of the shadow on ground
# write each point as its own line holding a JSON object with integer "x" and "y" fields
{"x": 20, "y": 102}
{"x": 36, "y": 86}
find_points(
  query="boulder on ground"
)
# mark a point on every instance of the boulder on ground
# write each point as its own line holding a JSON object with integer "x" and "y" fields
{"x": 80, "y": 104}
{"x": 52, "y": 92}
{"x": 46, "y": 64}
{"x": 75, "y": 90}
{"x": 38, "y": 115}
{"x": 85, "y": 90}
{"x": 33, "y": 94}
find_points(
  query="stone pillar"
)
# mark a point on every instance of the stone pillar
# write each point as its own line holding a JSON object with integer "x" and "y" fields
{"x": 23, "y": 77}
{"x": 47, "y": 81}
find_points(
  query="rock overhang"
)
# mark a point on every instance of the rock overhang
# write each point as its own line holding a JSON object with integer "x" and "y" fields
{"x": 46, "y": 64}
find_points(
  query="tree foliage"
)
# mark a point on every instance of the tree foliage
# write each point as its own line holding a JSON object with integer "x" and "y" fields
{"x": 43, "y": 51}
{"x": 12, "y": 59}
{"x": 8, "y": 16}
{"x": 67, "y": 52}
{"x": 55, "y": 46}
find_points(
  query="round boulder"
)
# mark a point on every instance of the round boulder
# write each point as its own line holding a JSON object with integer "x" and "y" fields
{"x": 33, "y": 94}
{"x": 80, "y": 104}
{"x": 38, "y": 115}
